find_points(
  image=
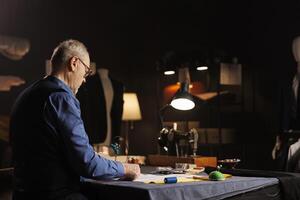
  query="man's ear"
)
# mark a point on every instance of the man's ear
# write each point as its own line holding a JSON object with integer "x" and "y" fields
{"x": 73, "y": 63}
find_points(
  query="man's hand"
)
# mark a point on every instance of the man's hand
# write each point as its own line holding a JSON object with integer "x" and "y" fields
{"x": 132, "y": 171}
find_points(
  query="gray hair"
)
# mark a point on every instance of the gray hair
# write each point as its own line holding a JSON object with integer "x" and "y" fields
{"x": 66, "y": 50}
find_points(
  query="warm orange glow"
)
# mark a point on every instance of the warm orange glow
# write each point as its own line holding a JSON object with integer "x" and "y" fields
{"x": 197, "y": 88}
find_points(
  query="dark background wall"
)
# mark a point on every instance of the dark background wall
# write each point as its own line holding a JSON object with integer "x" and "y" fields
{"x": 128, "y": 37}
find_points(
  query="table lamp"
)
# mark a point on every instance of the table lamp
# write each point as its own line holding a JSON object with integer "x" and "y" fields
{"x": 131, "y": 113}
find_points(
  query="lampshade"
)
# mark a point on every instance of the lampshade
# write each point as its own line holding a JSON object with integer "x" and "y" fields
{"x": 131, "y": 108}
{"x": 182, "y": 99}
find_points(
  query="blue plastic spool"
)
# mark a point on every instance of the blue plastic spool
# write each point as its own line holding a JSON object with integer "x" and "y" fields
{"x": 168, "y": 180}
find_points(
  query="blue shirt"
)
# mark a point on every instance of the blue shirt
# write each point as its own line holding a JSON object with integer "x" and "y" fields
{"x": 50, "y": 147}
{"x": 62, "y": 114}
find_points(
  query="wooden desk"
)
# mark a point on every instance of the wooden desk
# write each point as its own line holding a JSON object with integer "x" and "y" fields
{"x": 164, "y": 160}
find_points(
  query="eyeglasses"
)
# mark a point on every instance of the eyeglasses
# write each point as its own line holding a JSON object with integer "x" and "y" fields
{"x": 88, "y": 70}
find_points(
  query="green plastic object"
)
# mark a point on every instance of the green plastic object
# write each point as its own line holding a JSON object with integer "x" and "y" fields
{"x": 216, "y": 176}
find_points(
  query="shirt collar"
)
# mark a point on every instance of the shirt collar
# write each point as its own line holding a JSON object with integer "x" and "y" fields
{"x": 60, "y": 83}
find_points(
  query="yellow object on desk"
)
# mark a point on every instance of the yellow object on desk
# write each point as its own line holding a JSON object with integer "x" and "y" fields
{"x": 179, "y": 180}
{"x": 183, "y": 178}
{"x": 160, "y": 179}
{"x": 206, "y": 178}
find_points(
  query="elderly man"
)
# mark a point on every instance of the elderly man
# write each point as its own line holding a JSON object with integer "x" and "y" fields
{"x": 50, "y": 146}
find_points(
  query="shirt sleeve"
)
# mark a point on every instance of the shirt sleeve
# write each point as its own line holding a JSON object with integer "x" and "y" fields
{"x": 62, "y": 113}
